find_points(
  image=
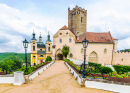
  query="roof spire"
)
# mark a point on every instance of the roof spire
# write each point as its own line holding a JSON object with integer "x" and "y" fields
{"x": 33, "y": 30}
{"x": 40, "y": 35}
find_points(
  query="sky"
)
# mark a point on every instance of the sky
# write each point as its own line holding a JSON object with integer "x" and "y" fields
{"x": 18, "y": 18}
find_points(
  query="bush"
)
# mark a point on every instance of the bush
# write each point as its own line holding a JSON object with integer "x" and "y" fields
{"x": 66, "y": 60}
{"x": 48, "y": 59}
{"x": 94, "y": 64}
{"x": 105, "y": 70}
{"x": 121, "y": 69}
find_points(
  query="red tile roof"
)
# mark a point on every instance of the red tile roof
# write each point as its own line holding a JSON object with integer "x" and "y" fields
{"x": 96, "y": 37}
{"x": 64, "y": 27}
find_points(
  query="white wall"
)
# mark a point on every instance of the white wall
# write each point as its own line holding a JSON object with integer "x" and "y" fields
{"x": 109, "y": 87}
{"x": 6, "y": 80}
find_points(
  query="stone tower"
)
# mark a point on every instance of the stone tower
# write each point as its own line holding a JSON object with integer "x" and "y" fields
{"x": 77, "y": 20}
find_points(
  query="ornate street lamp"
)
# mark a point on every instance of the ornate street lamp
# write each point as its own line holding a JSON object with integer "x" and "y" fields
{"x": 85, "y": 44}
{"x": 25, "y": 44}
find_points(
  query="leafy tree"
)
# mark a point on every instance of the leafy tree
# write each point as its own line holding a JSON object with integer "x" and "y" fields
{"x": 48, "y": 59}
{"x": 65, "y": 51}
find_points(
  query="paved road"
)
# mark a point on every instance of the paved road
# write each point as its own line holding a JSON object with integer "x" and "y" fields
{"x": 56, "y": 79}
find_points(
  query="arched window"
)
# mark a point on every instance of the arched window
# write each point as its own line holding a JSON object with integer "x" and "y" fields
{"x": 34, "y": 57}
{"x": 105, "y": 51}
{"x": 60, "y": 40}
{"x": 93, "y": 57}
{"x": 48, "y": 48}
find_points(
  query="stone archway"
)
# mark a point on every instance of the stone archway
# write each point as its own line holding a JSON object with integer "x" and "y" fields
{"x": 59, "y": 55}
{"x": 93, "y": 57}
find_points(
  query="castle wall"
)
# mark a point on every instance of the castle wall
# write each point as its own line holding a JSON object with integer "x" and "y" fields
{"x": 122, "y": 58}
{"x": 98, "y": 48}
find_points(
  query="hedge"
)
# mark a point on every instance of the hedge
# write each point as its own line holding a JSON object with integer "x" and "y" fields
{"x": 121, "y": 69}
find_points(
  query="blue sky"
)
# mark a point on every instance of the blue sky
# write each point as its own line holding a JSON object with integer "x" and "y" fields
{"x": 18, "y": 18}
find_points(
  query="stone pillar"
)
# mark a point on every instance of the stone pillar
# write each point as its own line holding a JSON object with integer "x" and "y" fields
{"x": 19, "y": 78}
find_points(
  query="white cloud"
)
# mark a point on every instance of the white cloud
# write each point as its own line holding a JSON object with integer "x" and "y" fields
{"x": 110, "y": 15}
{"x": 17, "y": 25}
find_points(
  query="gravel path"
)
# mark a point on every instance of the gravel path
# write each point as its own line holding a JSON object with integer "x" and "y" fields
{"x": 56, "y": 79}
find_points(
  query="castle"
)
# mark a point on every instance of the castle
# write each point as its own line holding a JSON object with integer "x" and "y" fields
{"x": 39, "y": 50}
{"x": 102, "y": 47}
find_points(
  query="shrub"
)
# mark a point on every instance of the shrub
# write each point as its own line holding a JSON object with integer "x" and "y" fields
{"x": 94, "y": 64}
{"x": 66, "y": 60}
{"x": 121, "y": 69}
{"x": 48, "y": 59}
{"x": 105, "y": 70}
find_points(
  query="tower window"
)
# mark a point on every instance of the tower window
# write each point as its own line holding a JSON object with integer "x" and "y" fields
{"x": 33, "y": 43}
{"x": 81, "y": 19}
{"x": 41, "y": 49}
{"x": 48, "y": 48}
{"x": 60, "y": 33}
{"x": 70, "y": 40}
{"x": 48, "y": 44}
{"x": 33, "y": 48}
{"x": 60, "y": 40}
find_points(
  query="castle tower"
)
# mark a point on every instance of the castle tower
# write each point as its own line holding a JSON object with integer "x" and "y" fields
{"x": 48, "y": 46}
{"x": 77, "y": 20}
{"x": 33, "y": 50}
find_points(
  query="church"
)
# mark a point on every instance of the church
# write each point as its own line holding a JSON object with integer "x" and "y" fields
{"x": 101, "y": 46}
{"x": 39, "y": 50}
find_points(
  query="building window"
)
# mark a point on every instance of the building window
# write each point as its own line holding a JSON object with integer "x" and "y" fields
{"x": 105, "y": 51}
{"x": 81, "y": 19}
{"x": 60, "y": 33}
{"x": 48, "y": 48}
{"x": 48, "y": 44}
{"x": 60, "y": 40}
{"x": 33, "y": 48}
{"x": 40, "y": 49}
{"x": 41, "y": 55}
{"x": 67, "y": 33}
{"x": 77, "y": 32}
{"x": 122, "y": 59}
{"x": 34, "y": 57}
{"x": 33, "y": 43}
{"x": 70, "y": 40}
{"x": 71, "y": 55}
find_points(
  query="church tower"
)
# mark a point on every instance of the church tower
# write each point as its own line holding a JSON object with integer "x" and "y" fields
{"x": 33, "y": 50}
{"x": 48, "y": 46}
{"x": 77, "y": 20}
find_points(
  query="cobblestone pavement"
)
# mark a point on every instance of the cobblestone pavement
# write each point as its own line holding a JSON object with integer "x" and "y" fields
{"x": 56, "y": 79}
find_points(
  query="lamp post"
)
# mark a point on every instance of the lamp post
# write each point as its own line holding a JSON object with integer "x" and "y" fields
{"x": 85, "y": 44}
{"x": 25, "y": 44}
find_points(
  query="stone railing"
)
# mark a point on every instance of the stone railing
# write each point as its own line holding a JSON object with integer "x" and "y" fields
{"x": 11, "y": 78}
{"x": 75, "y": 73}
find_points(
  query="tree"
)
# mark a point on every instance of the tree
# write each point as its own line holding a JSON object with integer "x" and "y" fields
{"x": 65, "y": 51}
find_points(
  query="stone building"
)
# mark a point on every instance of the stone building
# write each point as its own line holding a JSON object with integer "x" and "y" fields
{"x": 39, "y": 50}
{"x": 101, "y": 46}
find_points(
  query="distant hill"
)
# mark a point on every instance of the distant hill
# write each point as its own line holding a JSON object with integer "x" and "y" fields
{"x": 10, "y": 55}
